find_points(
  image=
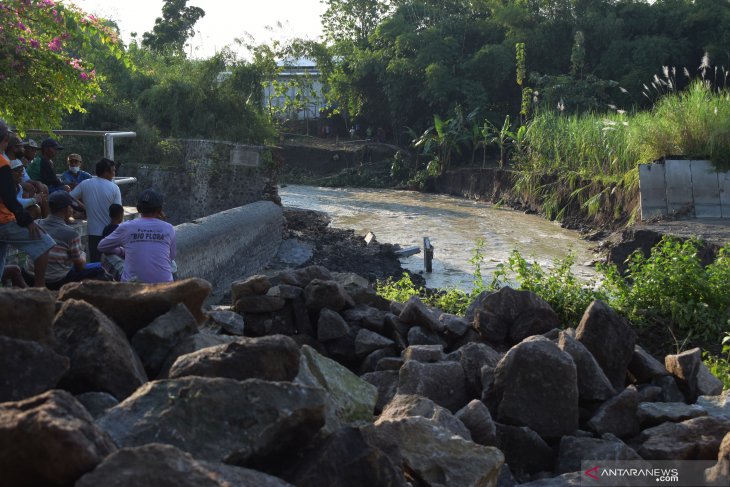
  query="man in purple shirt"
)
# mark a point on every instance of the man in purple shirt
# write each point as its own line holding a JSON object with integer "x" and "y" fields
{"x": 148, "y": 242}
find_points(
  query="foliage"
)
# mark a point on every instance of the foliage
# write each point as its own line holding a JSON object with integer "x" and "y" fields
{"x": 42, "y": 74}
{"x": 351, "y": 21}
{"x": 173, "y": 29}
{"x": 719, "y": 365}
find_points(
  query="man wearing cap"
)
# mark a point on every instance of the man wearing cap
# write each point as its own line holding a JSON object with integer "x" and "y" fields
{"x": 148, "y": 242}
{"x": 17, "y": 227}
{"x": 66, "y": 260}
{"x": 74, "y": 175}
{"x": 49, "y": 150}
{"x": 97, "y": 194}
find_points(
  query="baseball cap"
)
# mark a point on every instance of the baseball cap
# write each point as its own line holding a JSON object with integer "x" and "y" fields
{"x": 74, "y": 157}
{"x": 15, "y": 164}
{"x": 51, "y": 143}
{"x": 32, "y": 144}
{"x": 60, "y": 199}
{"x": 150, "y": 198}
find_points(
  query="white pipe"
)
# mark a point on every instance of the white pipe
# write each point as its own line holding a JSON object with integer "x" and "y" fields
{"x": 109, "y": 142}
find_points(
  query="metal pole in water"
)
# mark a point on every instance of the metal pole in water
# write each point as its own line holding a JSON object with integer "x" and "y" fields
{"x": 427, "y": 254}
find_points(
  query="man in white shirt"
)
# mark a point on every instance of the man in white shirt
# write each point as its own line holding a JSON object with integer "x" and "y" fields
{"x": 97, "y": 194}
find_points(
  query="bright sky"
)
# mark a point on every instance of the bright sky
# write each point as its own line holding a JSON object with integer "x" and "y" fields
{"x": 224, "y": 20}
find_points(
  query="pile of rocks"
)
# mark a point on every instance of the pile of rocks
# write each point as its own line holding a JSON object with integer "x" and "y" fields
{"x": 316, "y": 380}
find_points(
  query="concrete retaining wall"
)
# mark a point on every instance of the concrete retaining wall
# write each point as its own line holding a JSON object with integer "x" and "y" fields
{"x": 683, "y": 188}
{"x": 229, "y": 245}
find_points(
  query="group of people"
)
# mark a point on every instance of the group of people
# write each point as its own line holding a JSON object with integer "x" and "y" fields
{"x": 36, "y": 207}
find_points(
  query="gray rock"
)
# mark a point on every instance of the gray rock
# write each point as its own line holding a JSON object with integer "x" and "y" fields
{"x": 367, "y": 341}
{"x": 643, "y": 367}
{"x": 720, "y": 473}
{"x": 96, "y": 403}
{"x": 685, "y": 368}
{"x": 366, "y": 296}
{"x": 473, "y": 357}
{"x": 101, "y": 357}
{"x": 367, "y": 317}
{"x": 574, "y": 450}
{"x": 49, "y": 439}
{"x": 397, "y": 330}
{"x": 718, "y": 406}
{"x": 155, "y": 341}
{"x": 302, "y": 277}
{"x": 649, "y": 393}
{"x": 259, "y": 304}
{"x": 524, "y": 451}
{"x": 536, "y": 385}
{"x": 343, "y": 350}
{"x": 389, "y": 363}
{"x": 254, "y": 285}
{"x": 344, "y": 459}
{"x": 443, "y": 382}
{"x": 533, "y": 322}
{"x": 204, "y": 416}
{"x": 191, "y": 344}
{"x": 421, "y": 336}
{"x": 506, "y": 479}
{"x": 350, "y": 401}
{"x": 593, "y": 385}
{"x": 26, "y": 314}
{"x": 490, "y": 326}
{"x": 386, "y": 382}
{"x": 478, "y": 421}
{"x": 424, "y": 353}
{"x": 274, "y": 358}
{"x": 285, "y": 291}
{"x": 159, "y": 465}
{"x": 229, "y": 322}
{"x": 435, "y": 455}
{"x": 618, "y": 415}
{"x": 410, "y": 405}
{"x": 456, "y": 325}
{"x": 370, "y": 363}
{"x": 654, "y": 413}
{"x": 670, "y": 390}
{"x": 610, "y": 339}
{"x": 320, "y": 294}
{"x": 418, "y": 314}
{"x": 707, "y": 384}
{"x": 331, "y": 325}
{"x": 694, "y": 439}
{"x": 28, "y": 368}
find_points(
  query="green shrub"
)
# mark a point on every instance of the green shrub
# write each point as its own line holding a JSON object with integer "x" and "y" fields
{"x": 720, "y": 365}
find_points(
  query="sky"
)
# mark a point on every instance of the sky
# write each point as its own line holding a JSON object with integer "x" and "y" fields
{"x": 224, "y": 20}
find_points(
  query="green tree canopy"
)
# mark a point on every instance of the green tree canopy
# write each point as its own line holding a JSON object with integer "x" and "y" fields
{"x": 174, "y": 28}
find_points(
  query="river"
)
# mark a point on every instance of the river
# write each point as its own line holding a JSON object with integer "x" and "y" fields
{"x": 453, "y": 226}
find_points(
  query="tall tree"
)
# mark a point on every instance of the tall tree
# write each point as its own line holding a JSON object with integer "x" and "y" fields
{"x": 174, "y": 28}
{"x": 351, "y": 20}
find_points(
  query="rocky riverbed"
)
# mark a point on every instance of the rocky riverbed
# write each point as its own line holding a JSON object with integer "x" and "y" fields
{"x": 309, "y": 378}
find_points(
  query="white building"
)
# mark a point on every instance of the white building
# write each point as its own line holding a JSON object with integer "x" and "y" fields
{"x": 296, "y": 94}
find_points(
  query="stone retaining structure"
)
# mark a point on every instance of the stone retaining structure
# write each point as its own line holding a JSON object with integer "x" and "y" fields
{"x": 229, "y": 245}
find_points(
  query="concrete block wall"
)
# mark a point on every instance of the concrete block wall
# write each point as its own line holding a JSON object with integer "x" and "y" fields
{"x": 679, "y": 187}
{"x": 229, "y": 245}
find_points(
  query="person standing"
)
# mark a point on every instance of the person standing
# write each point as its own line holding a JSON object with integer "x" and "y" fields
{"x": 149, "y": 242}
{"x": 17, "y": 227}
{"x": 97, "y": 194}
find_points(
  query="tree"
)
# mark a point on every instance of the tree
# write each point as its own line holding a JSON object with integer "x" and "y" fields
{"x": 42, "y": 74}
{"x": 173, "y": 29}
{"x": 351, "y": 20}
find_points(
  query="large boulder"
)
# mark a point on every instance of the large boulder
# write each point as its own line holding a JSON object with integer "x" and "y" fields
{"x": 26, "y": 314}
{"x": 386, "y": 381}
{"x": 707, "y": 384}
{"x": 366, "y": 317}
{"x": 96, "y": 403}
{"x": 536, "y": 385}
{"x": 573, "y": 450}
{"x": 302, "y": 277}
{"x": 410, "y": 405}
{"x": 49, "y": 439}
{"x": 238, "y": 422}
{"x": 192, "y": 344}
{"x": 720, "y": 473}
{"x": 610, "y": 339}
{"x": 101, "y": 357}
{"x": 350, "y": 401}
{"x": 320, "y": 294}
{"x": 416, "y": 313}
{"x": 718, "y": 406}
{"x": 618, "y": 415}
{"x": 478, "y": 420}
{"x": 133, "y": 306}
{"x": 28, "y": 368}
{"x": 274, "y": 358}
{"x": 643, "y": 367}
{"x": 155, "y": 341}
{"x": 251, "y": 286}
{"x": 593, "y": 385}
{"x": 159, "y": 465}
{"x": 331, "y": 325}
{"x": 654, "y": 413}
{"x": 367, "y": 341}
{"x": 694, "y": 439}
{"x": 434, "y": 455}
{"x": 473, "y": 357}
{"x": 524, "y": 451}
{"x": 225, "y": 322}
{"x": 685, "y": 367}
{"x": 443, "y": 382}
{"x": 344, "y": 459}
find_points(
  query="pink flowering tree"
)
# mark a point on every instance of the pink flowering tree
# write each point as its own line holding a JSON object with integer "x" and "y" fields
{"x": 43, "y": 74}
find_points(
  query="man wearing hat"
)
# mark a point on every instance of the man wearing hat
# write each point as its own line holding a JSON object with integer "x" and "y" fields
{"x": 17, "y": 227}
{"x": 49, "y": 150}
{"x": 66, "y": 260}
{"x": 148, "y": 242}
{"x": 74, "y": 174}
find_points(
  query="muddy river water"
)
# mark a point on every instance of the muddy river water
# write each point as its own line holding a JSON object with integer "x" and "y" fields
{"x": 453, "y": 225}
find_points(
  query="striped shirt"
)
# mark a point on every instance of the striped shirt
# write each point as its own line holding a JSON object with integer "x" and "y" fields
{"x": 67, "y": 249}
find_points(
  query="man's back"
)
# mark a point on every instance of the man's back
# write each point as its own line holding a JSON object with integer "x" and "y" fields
{"x": 97, "y": 194}
{"x": 67, "y": 248}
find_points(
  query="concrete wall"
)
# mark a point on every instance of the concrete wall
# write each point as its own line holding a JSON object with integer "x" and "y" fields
{"x": 201, "y": 178}
{"x": 229, "y": 245}
{"x": 683, "y": 188}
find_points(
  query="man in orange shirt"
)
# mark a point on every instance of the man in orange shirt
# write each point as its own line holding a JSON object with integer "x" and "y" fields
{"x": 17, "y": 227}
